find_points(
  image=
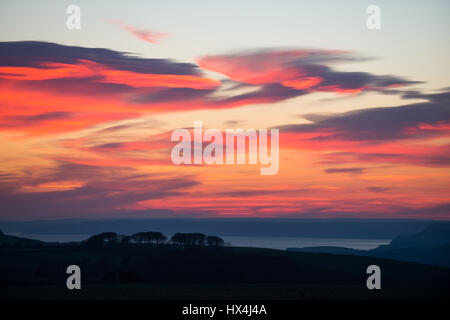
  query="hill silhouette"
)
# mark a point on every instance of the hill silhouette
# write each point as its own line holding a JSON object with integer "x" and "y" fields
{"x": 191, "y": 268}
{"x": 175, "y": 271}
{"x": 430, "y": 246}
{"x": 437, "y": 234}
{"x": 8, "y": 240}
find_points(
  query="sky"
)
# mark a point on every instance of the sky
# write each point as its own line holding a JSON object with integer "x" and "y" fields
{"x": 86, "y": 115}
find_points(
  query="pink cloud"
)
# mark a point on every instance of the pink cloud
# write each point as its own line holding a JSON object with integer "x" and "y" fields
{"x": 145, "y": 35}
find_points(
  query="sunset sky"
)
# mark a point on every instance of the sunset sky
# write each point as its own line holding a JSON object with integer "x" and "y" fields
{"x": 86, "y": 115}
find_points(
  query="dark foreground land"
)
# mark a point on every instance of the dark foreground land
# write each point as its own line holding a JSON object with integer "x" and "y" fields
{"x": 174, "y": 272}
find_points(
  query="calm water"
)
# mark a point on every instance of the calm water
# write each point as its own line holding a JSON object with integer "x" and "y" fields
{"x": 258, "y": 242}
{"x": 287, "y": 242}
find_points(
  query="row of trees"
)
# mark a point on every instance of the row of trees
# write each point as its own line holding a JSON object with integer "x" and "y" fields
{"x": 145, "y": 237}
{"x": 196, "y": 239}
{"x": 151, "y": 237}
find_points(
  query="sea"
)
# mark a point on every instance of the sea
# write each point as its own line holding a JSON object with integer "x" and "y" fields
{"x": 280, "y": 243}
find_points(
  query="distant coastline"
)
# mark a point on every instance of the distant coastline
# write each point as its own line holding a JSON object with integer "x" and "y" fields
{"x": 381, "y": 229}
{"x": 280, "y": 243}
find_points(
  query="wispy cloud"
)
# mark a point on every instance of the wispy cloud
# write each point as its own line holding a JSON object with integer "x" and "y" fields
{"x": 299, "y": 70}
{"x": 414, "y": 134}
{"x": 344, "y": 170}
{"x": 145, "y": 35}
{"x": 86, "y": 144}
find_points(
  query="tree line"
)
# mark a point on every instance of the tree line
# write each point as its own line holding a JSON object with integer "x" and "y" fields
{"x": 152, "y": 237}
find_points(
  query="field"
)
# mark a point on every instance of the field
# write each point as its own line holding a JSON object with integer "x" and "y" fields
{"x": 172, "y": 272}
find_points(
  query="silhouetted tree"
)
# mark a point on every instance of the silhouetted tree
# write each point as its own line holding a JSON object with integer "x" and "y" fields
{"x": 139, "y": 237}
{"x": 149, "y": 237}
{"x": 177, "y": 238}
{"x": 159, "y": 237}
{"x": 189, "y": 239}
{"x": 126, "y": 239}
{"x": 102, "y": 239}
{"x": 214, "y": 241}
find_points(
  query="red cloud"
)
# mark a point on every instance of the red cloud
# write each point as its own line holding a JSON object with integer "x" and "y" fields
{"x": 43, "y": 77}
{"x": 139, "y": 80}
{"x": 297, "y": 69}
{"x": 256, "y": 68}
{"x": 402, "y": 134}
{"x": 303, "y": 83}
{"x": 46, "y": 71}
{"x": 86, "y": 68}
